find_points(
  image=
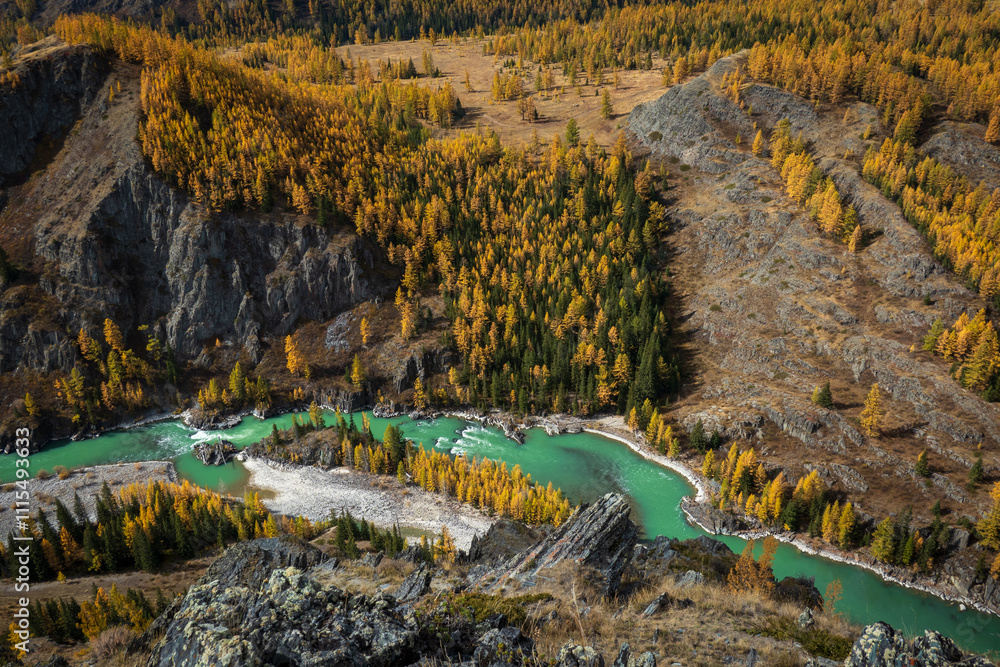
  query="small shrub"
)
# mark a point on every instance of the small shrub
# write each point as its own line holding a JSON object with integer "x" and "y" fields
{"x": 815, "y": 641}
{"x": 656, "y": 136}
{"x": 42, "y": 474}
{"x": 685, "y": 167}
{"x": 715, "y": 308}
{"x": 483, "y": 606}
{"x": 111, "y": 641}
{"x": 765, "y": 199}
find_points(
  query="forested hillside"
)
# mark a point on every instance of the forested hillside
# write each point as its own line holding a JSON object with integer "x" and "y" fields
{"x": 726, "y": 227}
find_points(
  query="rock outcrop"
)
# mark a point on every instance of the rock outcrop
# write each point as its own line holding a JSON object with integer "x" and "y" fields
{"x": 265, "y": 603}
{"x": 881, "y": 646}
{"x": 601, "y": 537}
{"x": 215, "y": 453}
{"x": 415, "y": 585}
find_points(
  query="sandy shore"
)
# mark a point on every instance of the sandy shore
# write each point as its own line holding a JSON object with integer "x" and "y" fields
{"x": 313, "y": 492}
{"x": 86, "y": 482}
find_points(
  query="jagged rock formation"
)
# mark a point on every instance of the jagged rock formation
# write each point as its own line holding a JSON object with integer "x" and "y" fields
{"x": 504, "y": 539}
{"x": 112, "y": 238}
{"x": 269, "y": 602}
{"x": 601, "y": 536}
{"x": 626, "y": 659}
{"x": 264, "y": 603}
{"x": 416, "y": 584}
{"x": 422, "y": 365}
{"x": 881, "y": 646}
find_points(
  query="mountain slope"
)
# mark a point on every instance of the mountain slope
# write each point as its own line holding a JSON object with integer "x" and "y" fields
{"x": 771, "y": 309}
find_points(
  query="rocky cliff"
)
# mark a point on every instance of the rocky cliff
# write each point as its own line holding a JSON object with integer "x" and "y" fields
{"x": 112, "y": 239}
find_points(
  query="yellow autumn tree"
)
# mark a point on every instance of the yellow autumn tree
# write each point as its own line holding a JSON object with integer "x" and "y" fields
{"x": 357, "y": 372}
{"x": 295, "y": 360}
{"x": 365, "y": 331}
{"x": 873, "y": 414}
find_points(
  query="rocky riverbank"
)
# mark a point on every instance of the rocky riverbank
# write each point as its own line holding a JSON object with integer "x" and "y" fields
{"x": 700, "y": 512}
{"x": 84, "y": 482}
{"x": 314, "y": 493}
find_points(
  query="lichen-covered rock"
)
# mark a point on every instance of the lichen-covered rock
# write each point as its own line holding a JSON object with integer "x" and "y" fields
{"x": 249, "y": 564}
{"x": 626, "y": 659}
{"x": 601, "y": 537}
{"x": 881, "y": 646}
{"x": 663, "y": 601}
{"x": 574, "y": 655}
{"x": 292, "y": 619}
{"x": 503, "y": 647}
{"x": 416, "y": 584}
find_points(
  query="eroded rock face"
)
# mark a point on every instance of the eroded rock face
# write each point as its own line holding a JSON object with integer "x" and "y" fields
{"x": 291, "y": 619}
{"x": 601, "y": 537}
{"x": 55, "y": 80}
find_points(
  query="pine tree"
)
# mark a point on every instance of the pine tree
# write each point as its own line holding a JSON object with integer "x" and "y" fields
{"x": 822, "y": 396}
{"x": 316, "y": 416}
{"x": 680, "y": 70}
{"x": 856, "y": 242}
{"x": 883, "y": 541}
{"x": 758, "y": 144}
{"x": 873, "y": 414}
{"x": 989, "y": 526}
{"x": 606, "y": 109}
{"x": 29, "y": 406}
{"x": 993, "y": 130}
{"x": 572, "y": 132}
{"x": 976, "y": 471}
{"x": 845, "y": 527}
{"x": 237, "y": 384}
{"x": 922, "y": 467}
{"x": 931, "y": 339}
{"x": 697, "y": 438}
{"x": 295, "y": 362}
{"x": 444, "y": 550}
{"x": 365, "y": 332}
{"x": 113, "y": 336}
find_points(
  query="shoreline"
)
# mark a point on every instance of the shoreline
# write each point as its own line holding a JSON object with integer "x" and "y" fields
{"x": 792, "y": 540}
{"x": 840, "y": 557}
{"x": 314, "y": 492}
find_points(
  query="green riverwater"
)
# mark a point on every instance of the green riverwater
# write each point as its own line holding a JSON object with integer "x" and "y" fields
{"x": 584, "y": 465}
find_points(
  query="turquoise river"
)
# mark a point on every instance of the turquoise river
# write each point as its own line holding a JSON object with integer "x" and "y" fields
{"x": 584, "y": 465}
